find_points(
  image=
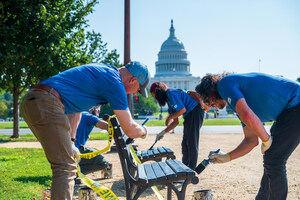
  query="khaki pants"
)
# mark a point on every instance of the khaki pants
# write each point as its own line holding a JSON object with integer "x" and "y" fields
{"x": 45, "y": 116}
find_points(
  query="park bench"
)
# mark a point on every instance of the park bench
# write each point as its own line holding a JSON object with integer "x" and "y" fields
{"x": 139, "y": 177}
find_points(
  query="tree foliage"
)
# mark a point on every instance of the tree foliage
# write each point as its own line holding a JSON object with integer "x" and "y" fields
{"x": 3, "y": 110}
{"x": 145, "y": 103}
{"x": 298, "y": 79}
{"x": 42, "y": 38}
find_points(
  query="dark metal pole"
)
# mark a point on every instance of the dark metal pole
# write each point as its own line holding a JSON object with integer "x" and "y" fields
{"x": 127, "y": 47}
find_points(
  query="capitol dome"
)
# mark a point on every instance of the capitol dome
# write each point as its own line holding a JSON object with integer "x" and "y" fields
{"x": 172, "y": 66}
{"x": 172, "y": 57}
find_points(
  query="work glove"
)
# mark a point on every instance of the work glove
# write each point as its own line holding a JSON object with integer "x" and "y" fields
{"x": 266, "y": 145}
{"x": 219, "y": 157}
{"x": 160, "y": 135}
{"x": 75, "y": 153}
{"x": 146, "y": 129}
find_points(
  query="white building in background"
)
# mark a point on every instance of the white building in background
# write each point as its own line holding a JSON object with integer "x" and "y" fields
{"x": 173, "y": 67}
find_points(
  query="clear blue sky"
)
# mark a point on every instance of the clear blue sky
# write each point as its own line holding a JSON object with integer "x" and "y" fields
{"x": 218, "y": 35}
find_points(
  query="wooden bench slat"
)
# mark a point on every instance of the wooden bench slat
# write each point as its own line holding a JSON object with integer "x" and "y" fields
{"x": 177, "y": 168}
{"x": 156, "y": 152}
{"x": 144, "y": 154}
{"x": 169, "y": 151}
{"x": 150, "y": 154}
{"x": 167, "y": 170}
{"x": 162, "y": 151}
{"x": 189, "y": 171}
{"x": 141, "y": 175}
{"x": 150, "y": 173}
{"x": 160, "y": 175}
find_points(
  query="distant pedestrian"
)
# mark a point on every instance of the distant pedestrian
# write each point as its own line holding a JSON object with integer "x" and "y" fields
{"x": 259, "y": 98}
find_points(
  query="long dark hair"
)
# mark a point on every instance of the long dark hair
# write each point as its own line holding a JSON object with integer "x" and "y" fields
{"x": 160, "y": 92}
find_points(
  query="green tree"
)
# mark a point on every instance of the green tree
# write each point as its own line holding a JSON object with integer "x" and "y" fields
{"x": 3, "y": 110}
{"x": 42, "y": 38}
{"x": 145, "y": 103}
{"x": 298, "y": 79}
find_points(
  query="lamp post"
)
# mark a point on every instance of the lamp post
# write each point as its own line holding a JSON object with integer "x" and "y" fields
{"x": 259, "y": 65}
{"x": 127, "y": 48}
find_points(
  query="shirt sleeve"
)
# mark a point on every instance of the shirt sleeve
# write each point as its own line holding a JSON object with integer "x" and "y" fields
{"x": 92, "y": 120}
{"x": 175, "y": 101}
{"x": 115, "y": 93}
{"x": 229, "y": 90}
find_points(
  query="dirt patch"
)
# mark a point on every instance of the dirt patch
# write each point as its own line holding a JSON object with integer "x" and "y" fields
{"x": 238, "y": 179}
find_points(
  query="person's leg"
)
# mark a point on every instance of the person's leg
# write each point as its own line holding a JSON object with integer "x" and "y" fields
{"x": 263, "y": 192}
{"x": 45, "y": 116}
{"x": 286, "y": 137}
{"x": 94, "y": 164}
{"x": 184, "y": 146}
{"x": 193, "y": 123}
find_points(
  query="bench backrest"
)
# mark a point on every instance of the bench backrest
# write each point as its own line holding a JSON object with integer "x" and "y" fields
{"x": 128, "y": 167}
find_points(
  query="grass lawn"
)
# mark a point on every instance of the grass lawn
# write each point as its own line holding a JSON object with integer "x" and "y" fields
{"x": 207, "y": 122}
{"x": 24, "y": 173}
{"x": 31, "y": 138}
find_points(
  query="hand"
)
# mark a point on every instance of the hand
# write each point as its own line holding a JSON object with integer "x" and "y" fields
{"x": 160, "y": 135}
{"x": 266, "y": 145}
{"x": 219, "y": 157}
{"x": 75, "y": 153}
{"x": 146, "y": 129}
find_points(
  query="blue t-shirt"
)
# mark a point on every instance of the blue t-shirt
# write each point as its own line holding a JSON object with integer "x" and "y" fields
{"x": 86, "y": 86}
{"x": 87, "y": 123}
{"x": 178, "y": 100}
{"x": 266, "y": 95}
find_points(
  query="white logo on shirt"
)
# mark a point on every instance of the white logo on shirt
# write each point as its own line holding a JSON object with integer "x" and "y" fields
{"x": 229, "y": 100}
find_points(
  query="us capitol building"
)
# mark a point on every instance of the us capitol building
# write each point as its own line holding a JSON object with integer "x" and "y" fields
{"x": 173, "y": 67}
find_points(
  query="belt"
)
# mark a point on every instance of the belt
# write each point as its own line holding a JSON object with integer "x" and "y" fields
{"x": 48, "y": 89}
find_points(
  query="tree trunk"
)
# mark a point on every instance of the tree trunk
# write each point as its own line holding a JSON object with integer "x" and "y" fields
{"x": 16, "y": 95}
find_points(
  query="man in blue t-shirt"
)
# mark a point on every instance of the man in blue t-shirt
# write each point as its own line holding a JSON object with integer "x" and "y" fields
{"x": 88, "y": 121}
{"x": 259, "y": 98}
{"x": 52, "y": 109}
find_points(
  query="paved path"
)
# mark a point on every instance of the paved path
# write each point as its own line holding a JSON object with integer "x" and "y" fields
{"x": 157, "y": 129}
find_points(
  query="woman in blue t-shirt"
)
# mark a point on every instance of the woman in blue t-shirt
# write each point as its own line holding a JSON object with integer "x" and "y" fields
{"x": 181, "y": 103}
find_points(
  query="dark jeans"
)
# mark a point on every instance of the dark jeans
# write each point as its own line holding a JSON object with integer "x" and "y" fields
{"x": 190, "y": 142}
{"x": 91, "y": 165}
{"x": 286, "y": 137}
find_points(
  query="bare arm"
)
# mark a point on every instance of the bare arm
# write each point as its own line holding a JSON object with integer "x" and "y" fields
{"x": 172, "y": 125}
{"x": 173, "y": 120}
{"x": 102, "y": 124}
{"x": 174, "y": 116}
{"x": 249, "y": 142}
{"x": 74, "y": 120}
{"x": 250, "y": 119}
{"x": 129, "y": 126}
